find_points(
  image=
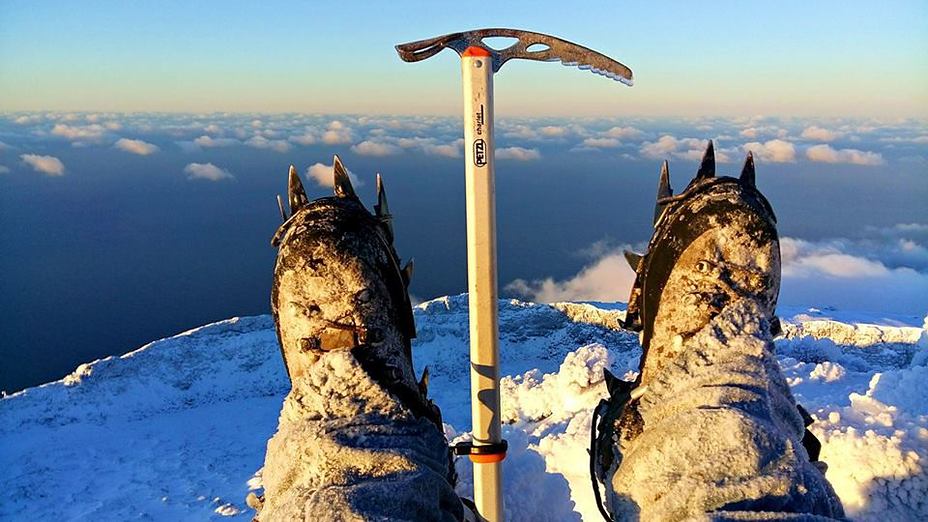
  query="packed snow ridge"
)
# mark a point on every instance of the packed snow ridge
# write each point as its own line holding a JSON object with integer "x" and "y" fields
{"x": 177, "y": 429}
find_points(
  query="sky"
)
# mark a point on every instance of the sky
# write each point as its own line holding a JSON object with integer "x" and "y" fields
{"x": 795, "y": 58}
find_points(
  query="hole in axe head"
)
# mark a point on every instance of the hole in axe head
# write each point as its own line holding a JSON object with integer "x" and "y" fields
{"x": 498, "y": 43}
{"x": 537, "y": 48}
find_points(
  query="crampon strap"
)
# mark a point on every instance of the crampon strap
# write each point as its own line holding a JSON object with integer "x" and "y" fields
{"x": 594, "y": 455}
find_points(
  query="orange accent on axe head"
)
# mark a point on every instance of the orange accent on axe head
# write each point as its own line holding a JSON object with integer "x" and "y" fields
{"x": 475, "y": 51}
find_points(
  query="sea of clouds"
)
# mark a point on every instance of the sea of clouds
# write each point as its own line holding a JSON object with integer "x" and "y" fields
{"x": 879, "y": 268}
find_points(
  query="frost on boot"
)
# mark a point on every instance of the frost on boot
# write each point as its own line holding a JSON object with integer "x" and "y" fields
{"x": 357, "y": 436}
{"x": 716, "y": 429}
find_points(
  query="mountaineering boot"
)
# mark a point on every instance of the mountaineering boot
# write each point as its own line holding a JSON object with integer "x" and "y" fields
{"x": 358, "y": 436}
{"x": 709, "y": 407}
{"x": 338, "y": 285}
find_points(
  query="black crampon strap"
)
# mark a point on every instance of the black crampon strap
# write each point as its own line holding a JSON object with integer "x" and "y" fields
{"x": 594, "y": 453}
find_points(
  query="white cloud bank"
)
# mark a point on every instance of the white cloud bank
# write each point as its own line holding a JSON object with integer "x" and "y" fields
{"x": 376, "y": 148}
{"x": 260, "y": 142}
{"x": 690, "y": 149}
{"x": 337, "y": 134}
{"x": 206, "y": 171}
{"x": 517, "y": 153}
{"x": 863, "y": 275}
{"x": 608, "y": 278}
{"x": 324, "y": 175}
{"x": 816, "y": 133}
{"x": 826, "y": 154}
{"x": 142, "y": 148}
{"x": 49, "y": 165}
{"x": 773, "y": 151}
{"x": 208, "y": 142}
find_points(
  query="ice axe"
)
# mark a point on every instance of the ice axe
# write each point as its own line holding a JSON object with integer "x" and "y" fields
{"x": 479, "y": 62}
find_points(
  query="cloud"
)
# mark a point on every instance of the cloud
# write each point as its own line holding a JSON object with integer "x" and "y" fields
{"x": 609, "y": 278}
{"x": 912, "y": 139}
{"x": 27, "y": 119}
{"x": 819, "y": 134}
{"x": 551, "y": 131}
{"x": 208, "y": 142}
{"x": 623, "y": 133}
{"x": 93, "y": 133}
{"x": 4, "y": 169}
{"x": 206, "y": 171}
{"x": 886, "y": 272}
{"x": 376, "y": 148}
{"x": 142, "y": 148}
{"x": 45, "y": 164}
{"x": 600, "y": 143}
{"x": 826, "y": 154}
{"x": 840, "y": 274}
{"x": 260, "y": 142}
{"x": 337, "y": 134}
{"x": 449, "y": 150}
{"x": 773, "y": 151}
{"x": 764, "y": 130}
{"x": 690, "y": 149}
{"x": 532, "y": 133}
{"x": 324, "y": 176}
{"x": 518, "y": 153}
{"x": 309, "y": 137}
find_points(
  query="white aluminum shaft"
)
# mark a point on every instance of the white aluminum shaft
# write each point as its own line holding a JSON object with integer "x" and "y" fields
{"x": 481, "y": 275}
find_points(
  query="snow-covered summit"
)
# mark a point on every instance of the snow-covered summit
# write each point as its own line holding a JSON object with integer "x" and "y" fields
{"x": 176, "y": 430}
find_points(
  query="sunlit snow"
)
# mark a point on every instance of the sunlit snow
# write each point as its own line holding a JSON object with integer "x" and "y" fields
{"x": 177, "y": 429}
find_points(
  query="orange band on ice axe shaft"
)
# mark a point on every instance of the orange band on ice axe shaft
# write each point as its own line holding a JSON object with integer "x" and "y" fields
{"x": 483, "y": 453}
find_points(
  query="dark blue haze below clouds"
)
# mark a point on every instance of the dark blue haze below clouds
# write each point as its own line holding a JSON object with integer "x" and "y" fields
{"x": 124, "y": 249}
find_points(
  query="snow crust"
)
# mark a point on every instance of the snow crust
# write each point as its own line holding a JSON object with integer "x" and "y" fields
{"x": 177, "y": 430}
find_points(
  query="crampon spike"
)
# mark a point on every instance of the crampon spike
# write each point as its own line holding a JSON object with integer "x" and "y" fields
{"x": 382, "y": 210}
{"x": 424, "y": 381}
{"x": 707, "y": 167}
{"x": 633, "y": 259}
{"x": 296, "y": 195}
{"x": 342, "y": 182}
{"x": 280, "y": 207}
{"x": 747, "y": 173}
{"x": 664, "y": 190}
{"x": 408, "y": 270}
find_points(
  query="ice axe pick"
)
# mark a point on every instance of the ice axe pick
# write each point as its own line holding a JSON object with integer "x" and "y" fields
{"x": 479, "y": 62}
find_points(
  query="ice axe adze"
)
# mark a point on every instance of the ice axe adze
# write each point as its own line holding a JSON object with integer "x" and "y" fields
{"x": 479, "y": 62}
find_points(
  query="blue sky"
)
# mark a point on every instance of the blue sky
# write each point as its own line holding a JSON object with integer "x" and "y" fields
{"x": 789, "y": 58}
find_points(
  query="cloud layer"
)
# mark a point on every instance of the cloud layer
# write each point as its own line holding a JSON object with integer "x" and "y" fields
{"x": 142, "y": 148}
{"x": 49, "y": 165}
{"x": 884, "y": 272}
{"x": 206, "y": 171}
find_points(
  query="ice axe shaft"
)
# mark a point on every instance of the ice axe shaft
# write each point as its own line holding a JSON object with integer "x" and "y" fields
{"x": 478, "y": 64}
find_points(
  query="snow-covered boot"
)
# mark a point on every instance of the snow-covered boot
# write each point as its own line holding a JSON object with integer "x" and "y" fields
{"x": 358, "y": 436}
{"x": 338, "y": 285}
{"x": 704, "y": 301}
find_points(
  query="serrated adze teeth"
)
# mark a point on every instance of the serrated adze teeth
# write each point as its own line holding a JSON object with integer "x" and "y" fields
{"x": 747, "y": 173}
{"x": 381, "y": 209}
{"x": 633, "y": 259}
{"x": 342, "y": 182}
{"x": 296, "y": 195}
{"x": 707, "y": 167}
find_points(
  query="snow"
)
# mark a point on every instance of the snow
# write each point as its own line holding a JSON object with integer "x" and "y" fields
{"x": 177, "y": 430}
